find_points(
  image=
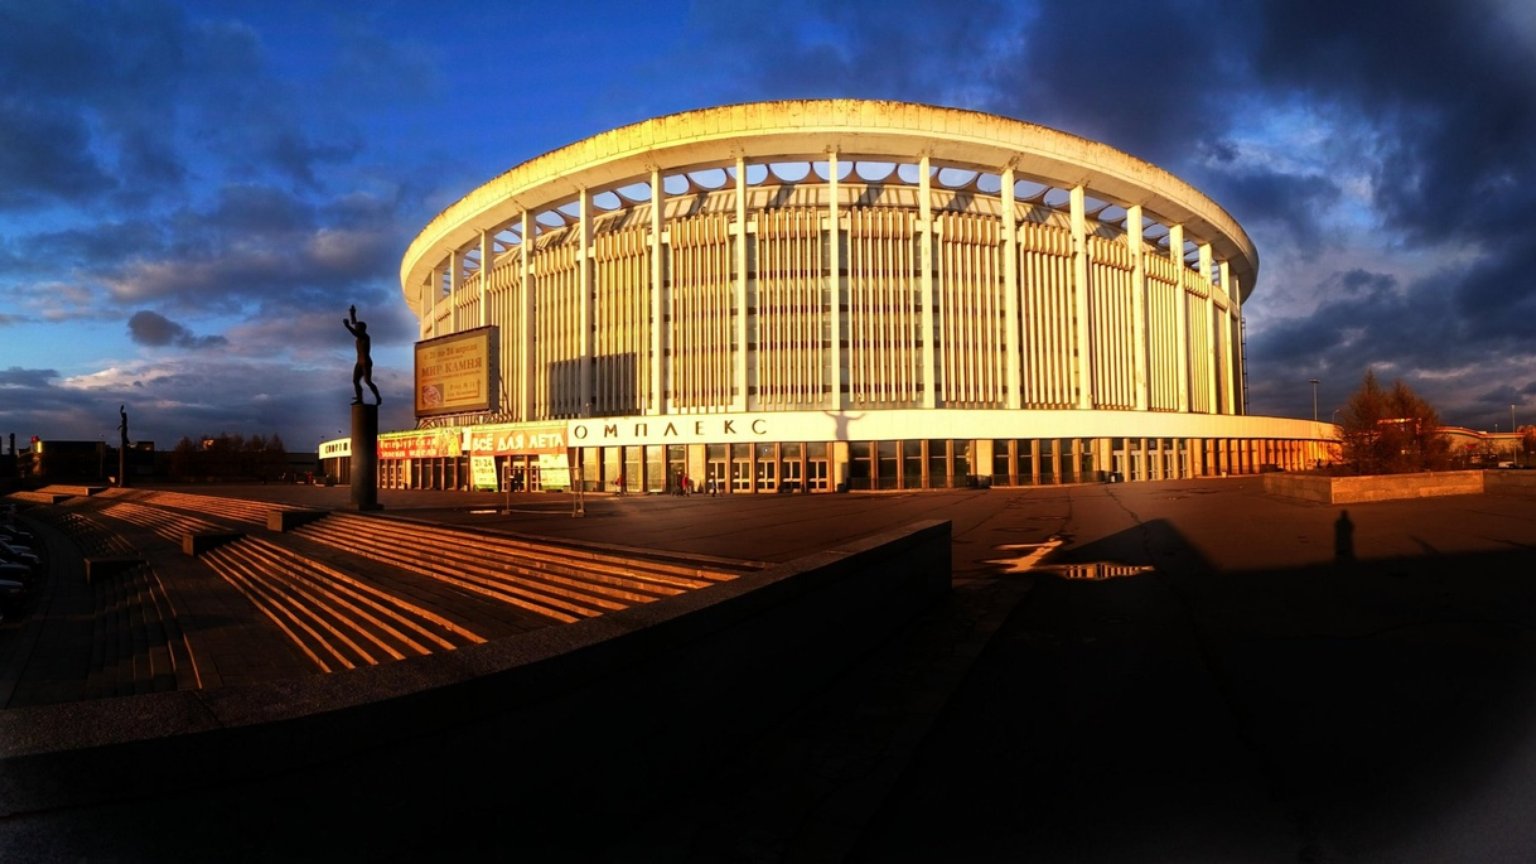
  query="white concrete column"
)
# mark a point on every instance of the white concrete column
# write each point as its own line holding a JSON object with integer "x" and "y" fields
{"x": 835, "y": 284}
{"x": 1135, "y": 238}
{"x": 455, "y": 265}
{"x": 1080, "y": 298}
{"x": 1228, "y": 361}
{"x": 739, "y": 401}
{"x": 1241, "y": 400}
{"x": 429, "y": 302}
{"x": 1212, "y": 376}
{"x": 1014, "y": 368}
{"x": 925, "y": 234}
{"x": 1176, "y": 255}
{"x": 658, "y": 299}
{"x": 584, "y": 280}
{"x": 486, "y": 251}
{"x": 525, "y": 302}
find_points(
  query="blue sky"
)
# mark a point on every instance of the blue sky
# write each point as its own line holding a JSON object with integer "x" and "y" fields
{"x": 191, "y": 194}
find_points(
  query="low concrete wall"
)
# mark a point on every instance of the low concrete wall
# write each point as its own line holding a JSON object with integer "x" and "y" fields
{"x": 1509, "y": 481}
{"x": 1379, "y": 487}
{"x": 542, "y": 732}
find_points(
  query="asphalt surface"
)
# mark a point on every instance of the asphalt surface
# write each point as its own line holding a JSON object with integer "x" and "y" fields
{"x": 1250, "y": 679}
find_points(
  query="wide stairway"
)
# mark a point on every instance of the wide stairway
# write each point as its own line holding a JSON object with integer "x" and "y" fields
{"x": 114, "y": 628}
{"x": 339, "y": 621}
{"x": 130, "y": 613}
{"x": 561, "y": 582}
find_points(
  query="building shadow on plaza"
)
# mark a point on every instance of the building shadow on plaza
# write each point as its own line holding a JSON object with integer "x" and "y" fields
{"x": 1176, "y": 712}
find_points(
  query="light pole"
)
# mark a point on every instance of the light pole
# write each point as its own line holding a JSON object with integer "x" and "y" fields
{"x": 1313, "y": 382}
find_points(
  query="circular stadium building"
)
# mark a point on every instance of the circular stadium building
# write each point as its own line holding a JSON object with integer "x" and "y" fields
{"x": 818, "y": 296}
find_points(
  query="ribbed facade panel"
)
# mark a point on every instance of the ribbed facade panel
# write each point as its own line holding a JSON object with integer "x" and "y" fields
{"x": 883, "y": 310}
{"x": 700, "y": 289}
{"x": 1114, "y": 364}
{"x": 622, "y": 315}
{"x": 504, "y": 306}
{"x": 1047, "y": 304}
{"x": 557, "y": 342}
{"x": 970, "y": 313}
{"x": 1163, "y": 298}
{"x": 791, "y": 322}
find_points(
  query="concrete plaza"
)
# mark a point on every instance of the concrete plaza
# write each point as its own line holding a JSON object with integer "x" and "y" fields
{"x": 1197, "y": 672}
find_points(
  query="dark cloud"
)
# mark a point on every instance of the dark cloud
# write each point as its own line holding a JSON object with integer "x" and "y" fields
{"x": 45, "y": 156}
{"x": 18, "y": 378}
{"x": 908, "y": 49}
{"x": 1447, "y": 89}
{"x": 1299, "y": 203}
{"x": 157, "y": 331}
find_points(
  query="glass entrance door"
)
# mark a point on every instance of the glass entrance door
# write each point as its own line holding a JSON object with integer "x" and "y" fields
{"x": 789, "y": 476}
{"x": 816, "y": 475}
{"x": 767, "y": 476}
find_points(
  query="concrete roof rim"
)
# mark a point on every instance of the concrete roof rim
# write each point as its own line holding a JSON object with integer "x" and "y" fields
{"x": 1059, "y": 157}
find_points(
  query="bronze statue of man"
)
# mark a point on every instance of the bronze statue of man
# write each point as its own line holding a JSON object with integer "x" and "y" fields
{"x": 362, "y": 370}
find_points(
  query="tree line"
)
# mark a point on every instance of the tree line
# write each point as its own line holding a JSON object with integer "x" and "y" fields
{"x": 229, "y": 457}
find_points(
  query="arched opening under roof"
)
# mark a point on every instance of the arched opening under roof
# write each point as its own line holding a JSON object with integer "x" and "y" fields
{"x": 675, "y": 184}
{"x": 1113, "y": 214}
{"x": 1029, "y": 190}
{"x": 790, "y": 172}
{"x": 874, "y": 172}
{"x": 822, "y": 169}
{"x": 634, "y": 193}
{"x": 956, "y": 178}
{"x": 710, "y": 178}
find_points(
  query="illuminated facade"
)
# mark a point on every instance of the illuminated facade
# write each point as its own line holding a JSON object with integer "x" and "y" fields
{"x": 814, "y": 295}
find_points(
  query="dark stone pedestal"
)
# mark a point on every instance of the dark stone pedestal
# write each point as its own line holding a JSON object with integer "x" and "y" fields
{"x": 365, "y": 457}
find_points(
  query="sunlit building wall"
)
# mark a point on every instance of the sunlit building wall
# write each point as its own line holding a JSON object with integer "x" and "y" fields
{"x": 814, "y": 295}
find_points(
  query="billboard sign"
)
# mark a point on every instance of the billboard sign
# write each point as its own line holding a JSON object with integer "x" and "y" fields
{"x": 457, "y": 374}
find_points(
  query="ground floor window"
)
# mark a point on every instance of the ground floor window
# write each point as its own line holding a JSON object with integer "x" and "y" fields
{"x": 825, "y": 466}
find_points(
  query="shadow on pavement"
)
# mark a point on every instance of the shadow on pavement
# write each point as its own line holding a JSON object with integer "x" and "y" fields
{"x": 1359, "y": 710}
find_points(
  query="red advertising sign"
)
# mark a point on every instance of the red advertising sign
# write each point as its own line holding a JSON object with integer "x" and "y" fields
{"x": 428, "y": 444}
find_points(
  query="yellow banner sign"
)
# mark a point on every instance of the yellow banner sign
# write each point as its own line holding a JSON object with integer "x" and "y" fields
{"x": 506, "y": 440}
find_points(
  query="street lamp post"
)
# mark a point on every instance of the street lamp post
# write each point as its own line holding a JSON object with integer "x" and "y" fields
{"x": 1313, "y": 382}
